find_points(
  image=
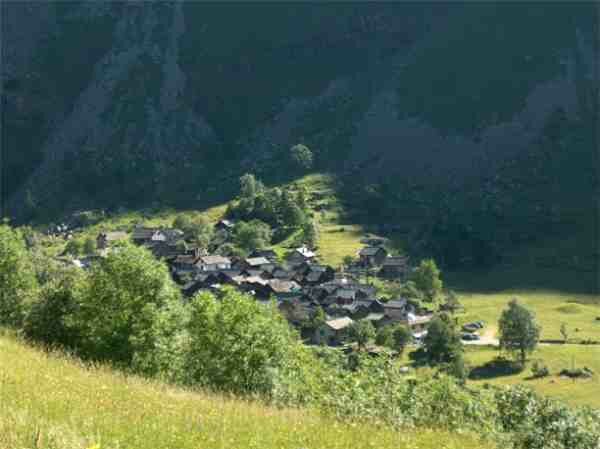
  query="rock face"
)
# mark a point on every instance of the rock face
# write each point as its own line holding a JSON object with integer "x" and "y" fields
{"x": 138, "y": 98}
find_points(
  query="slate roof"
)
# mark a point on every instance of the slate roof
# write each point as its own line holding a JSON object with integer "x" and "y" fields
{"x": 368, "y": 251}
{"x": 395, "y": 261}
{"x": 280, "y": 286}
{"x": 257, "y": 261}
{"x": 339, "y": 323}
{"x": 215, "y": 260}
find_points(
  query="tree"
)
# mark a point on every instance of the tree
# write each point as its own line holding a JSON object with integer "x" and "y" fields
{"x": 237, "y": 344}
{"x": 564, "y": 332}
{"x": 89, "y": 246}
{"x": 427, "y": 279}
{"x": 291, "y": 215}
{"x": 451, "y": 302}
{"x": 409, "y": 290}
{"x": 18, "y": 283}
{"x": 196, "y": 229}
{"x": 74, "y": 247}
{"x": 252, "y": 235}
{"x": 301, "y": 156}
{"x": 123, "y": 306}
{"x": 51, "y": 319}
{"x": 519, "y": 332}
{"x": 310, "y": 233}
{"x": 442, "y": 341}
{"x": 250, "y": 187}
{"x": 401, "y": 338}
{"x": 348, "y": 260}
{"x": 361, "y": 332}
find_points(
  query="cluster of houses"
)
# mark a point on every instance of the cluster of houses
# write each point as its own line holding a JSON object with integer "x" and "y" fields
{"x": 300, "y": 284}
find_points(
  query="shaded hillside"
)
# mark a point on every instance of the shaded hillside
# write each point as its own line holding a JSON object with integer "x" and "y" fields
{"x": 424, "y": 108}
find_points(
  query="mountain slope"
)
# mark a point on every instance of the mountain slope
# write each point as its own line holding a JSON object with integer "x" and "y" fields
{"x": 148, "y": 100}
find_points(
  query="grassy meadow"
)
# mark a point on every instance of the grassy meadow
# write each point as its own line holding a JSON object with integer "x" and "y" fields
{"x": 53, "y": 402}
{"x": 556, "y": 357}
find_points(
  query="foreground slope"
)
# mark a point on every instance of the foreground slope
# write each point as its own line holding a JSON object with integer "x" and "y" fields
{"x": 48, "y": 401}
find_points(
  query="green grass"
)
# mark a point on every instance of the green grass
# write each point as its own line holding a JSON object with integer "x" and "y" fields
{"x": 52, "y": 402}
{"x": 552, "y": 308}
{"x": 556, "y": 357}
{"x": 338, "y": 241}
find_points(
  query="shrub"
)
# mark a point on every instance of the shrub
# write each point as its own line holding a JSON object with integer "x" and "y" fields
{"x": 539, "y": 369}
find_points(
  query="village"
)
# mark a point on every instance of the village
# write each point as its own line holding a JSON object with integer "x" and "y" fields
{"x": 298, "y": 282}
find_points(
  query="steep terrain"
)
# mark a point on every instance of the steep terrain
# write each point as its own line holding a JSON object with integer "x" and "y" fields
{"x": 422, "y": 106}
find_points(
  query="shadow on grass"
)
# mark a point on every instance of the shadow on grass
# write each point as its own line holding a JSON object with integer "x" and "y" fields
{"x": 498, "y": 367}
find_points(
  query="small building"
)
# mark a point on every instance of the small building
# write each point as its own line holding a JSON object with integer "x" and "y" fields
{"x": 142, "y": 235}
{"x": 372, "y": 256}
{"x": 105, "y": 239}
{"x": 396, "y": 310}
{"x": 253, "y": 263}
{"x": 300, "y": 255}
{"x": 225, "y": 225}
{"x": 318, "y": 274}
{"x": 333, "y": 332}
{"x": 268, "y": 254}
{"x": 394, "y": 267}
{"x": 214, "y": 263}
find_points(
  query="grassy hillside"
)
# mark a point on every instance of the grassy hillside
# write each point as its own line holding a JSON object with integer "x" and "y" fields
{"x": 52, "y": 402}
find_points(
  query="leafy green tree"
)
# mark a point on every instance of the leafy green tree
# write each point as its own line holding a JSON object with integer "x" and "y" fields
{"x": 252, "y": 235}
{"x": 310, "y": 233}
{"x": 409, "y": 290}
{"x": 348, "y": 260}
{"x": 196, "y": 229}
{"x": 519, "y": 331}
{"x": 301, "y": 156}
{"x": 52, "y": 317}
{"x": 238, "y": 344}
{"x": 122, "y": 306}
{"x": 89, "y": 246}
{"x": 317, "y": 319}
{"x": 250, "y": 187}
{"x": 427, "y": 279}
{"x": 361, "y": 332}
{"x": 74, "y": 247}
{"x": 18, "y": 283}
{"x": 401, "y": 337}
{"x": 442, "y": 341}
{"x": 395, "y": 337}
{"x": 291, "y": 215}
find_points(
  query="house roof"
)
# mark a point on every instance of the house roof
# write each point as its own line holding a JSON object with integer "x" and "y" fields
{"x": 255, "y": 280}
{"x": 305, "y": 252}
{"x": 280, "y": 286}
{"x": 114, "y": 235}
{"x": 339, "y": 323}
{"x": 185, "y": 259}
{"x": 140, "y": 232}
{"x": 345, "y": 293}
{"x": 257, "y": 261}
{"x": 263, "y": 253}
{"x": 314, "y": 276}
{"x": 395, "y": 261}
{"x": 396, "y": 304}
{"x": 374, "y": 317}
{"x": 171, "y": 234}
{"x": 225, "y": 223}
{"x": 370, "y": 251}
{"x": 214, "y": 260}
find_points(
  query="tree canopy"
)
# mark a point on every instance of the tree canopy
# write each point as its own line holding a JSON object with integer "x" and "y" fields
{"x": 18, "y": 283}
{"x": 519, "y": 331}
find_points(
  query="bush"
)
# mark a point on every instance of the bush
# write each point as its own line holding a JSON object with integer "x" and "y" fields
{"x": 238, "y": 344}
{"x": 539, "y": 369}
